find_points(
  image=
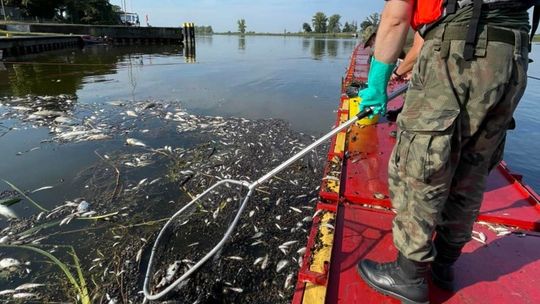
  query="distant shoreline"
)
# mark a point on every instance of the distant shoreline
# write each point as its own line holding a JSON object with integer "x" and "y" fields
{"x": 317, "y": 35}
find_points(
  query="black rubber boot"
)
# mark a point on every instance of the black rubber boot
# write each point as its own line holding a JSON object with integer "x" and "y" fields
{"x": 403, "y": 279}
{"x": 442, "y": 269}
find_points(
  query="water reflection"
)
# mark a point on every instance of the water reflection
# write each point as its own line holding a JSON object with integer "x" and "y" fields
{"x": 190, "y": 53}
{"x": 318, "y": 49}
{"x": 242, "y": 43}
{"x": 332, "y": 47}
{"x": 205, "y": 39}
{"x": 66, "y": 71}
{"x": 306, "y": 44}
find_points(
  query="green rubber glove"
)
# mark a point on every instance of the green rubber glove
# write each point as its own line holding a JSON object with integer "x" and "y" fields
{"x": 374, "y": 96}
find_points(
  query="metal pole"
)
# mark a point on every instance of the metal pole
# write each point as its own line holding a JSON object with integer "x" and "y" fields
{"x": 306, "y": 150}
{"x": 3, "y": 10}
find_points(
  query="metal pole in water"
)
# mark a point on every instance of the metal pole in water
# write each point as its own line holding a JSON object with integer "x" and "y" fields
{"x": 3, "y": 10}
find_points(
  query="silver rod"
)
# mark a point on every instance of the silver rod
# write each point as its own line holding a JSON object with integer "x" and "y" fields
{"x": 3, "y": 10}
{"x": 300, "y": 154}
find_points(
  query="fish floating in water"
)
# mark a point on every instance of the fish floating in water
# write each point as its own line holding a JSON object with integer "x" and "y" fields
{"x": 135, "y": 142}
{"x": 7, "y": 212}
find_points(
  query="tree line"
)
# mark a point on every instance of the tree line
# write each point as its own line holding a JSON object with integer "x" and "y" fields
{"x": 72, "y": 11}
{"x": 320, "y": 23}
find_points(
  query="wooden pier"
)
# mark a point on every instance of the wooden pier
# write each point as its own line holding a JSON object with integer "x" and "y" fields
{"x": 18, "y": 46}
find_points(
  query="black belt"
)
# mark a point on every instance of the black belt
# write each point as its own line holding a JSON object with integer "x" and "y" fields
{"x": 459, "y": 33}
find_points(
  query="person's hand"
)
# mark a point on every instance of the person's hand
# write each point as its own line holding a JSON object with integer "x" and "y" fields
{"x": 374, "y": 100}
{"x": 374, "y": 96}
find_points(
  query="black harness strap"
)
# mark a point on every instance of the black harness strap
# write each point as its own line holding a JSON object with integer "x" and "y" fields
{"x": 535, "y": 22}
{"x": 451, "y": 6}
{"x": 470, "y": 40}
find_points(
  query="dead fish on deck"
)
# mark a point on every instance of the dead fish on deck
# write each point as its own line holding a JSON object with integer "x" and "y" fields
{"x": 479, "y": 236}
{"x": 135, "y": 142}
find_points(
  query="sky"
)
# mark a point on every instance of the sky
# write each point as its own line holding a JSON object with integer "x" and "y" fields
{"x": 261, "y": 15}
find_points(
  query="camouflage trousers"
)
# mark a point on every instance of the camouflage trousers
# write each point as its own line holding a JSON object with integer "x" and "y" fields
{"x": 452, "y": 132}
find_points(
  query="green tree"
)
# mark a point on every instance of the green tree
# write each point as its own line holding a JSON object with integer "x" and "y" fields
{"x": 371, "y": 20}
{"x": 306, "y": 27}
{"x": 319, "y": 22}
{"x": 334, "y": 26}
{"x": 242, "y": 26}
{"x": 347, "y": 27}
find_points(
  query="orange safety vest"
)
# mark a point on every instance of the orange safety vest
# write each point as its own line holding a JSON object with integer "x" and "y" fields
{"x": 426, "y": 12}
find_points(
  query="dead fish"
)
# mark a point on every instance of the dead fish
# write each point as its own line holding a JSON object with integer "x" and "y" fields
{"x": 289, "y": 243}
{"x": 116, "y": 103}
{"x": 83, "y": 207}
{"x": 329, "y": 226}
{"x": 251, "y": 213}
{"x": 264, "y": 262}
{"x": 89, "y": 214}
{"x": 4, "y": 239}
{"x": 97, "y": 137}
{"x": 47, "y": 113}
{"x": 131, "y": 113}
{"x": 64, "y": 120}
{"x": 301, "y": 251}
{"x": 7, "y": 212}
{"x": 9, "y": 263}
{"x": 42, "y": 188}
{"x": 135, "y": 142}
{"x": 257, "y": 235}
{"x": 21, "y": 108}
{"x": 236, "y": 258}
{"x": 155, "y": 181}
{"x": 235, "y": 289}
{"x": 6, "y": 292}
{"x": 258, "y": 260}
{"x": 281, "y": 265}
{"x": 379, "y": 195}
{"x": 479, "y": 236}
{"x": 29, "y": 286}
{"x": 288, "y": 281}
{"x": 24, "y": 295}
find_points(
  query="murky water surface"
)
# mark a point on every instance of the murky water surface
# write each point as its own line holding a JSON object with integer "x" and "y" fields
{"x": 159, "y": 97}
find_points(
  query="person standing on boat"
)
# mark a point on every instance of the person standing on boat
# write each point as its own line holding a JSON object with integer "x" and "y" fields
{"x": 467, "y": 82}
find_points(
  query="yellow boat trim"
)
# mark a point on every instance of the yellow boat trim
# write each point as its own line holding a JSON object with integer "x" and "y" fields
{"x": 315, "y": 294}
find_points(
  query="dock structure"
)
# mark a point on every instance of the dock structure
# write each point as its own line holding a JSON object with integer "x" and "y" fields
{"x": 354, "y": 222}
{"x": 118, "y": 34}
{"x": 18, "y": 46}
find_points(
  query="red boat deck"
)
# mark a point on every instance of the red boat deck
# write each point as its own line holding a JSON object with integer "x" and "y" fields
{"x": 354, "y": 196}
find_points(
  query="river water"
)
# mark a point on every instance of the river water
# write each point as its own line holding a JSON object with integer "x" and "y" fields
{"x": 293, "y": 79}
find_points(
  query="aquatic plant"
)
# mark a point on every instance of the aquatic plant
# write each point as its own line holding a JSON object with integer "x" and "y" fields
{"x": 79, "y": 285}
